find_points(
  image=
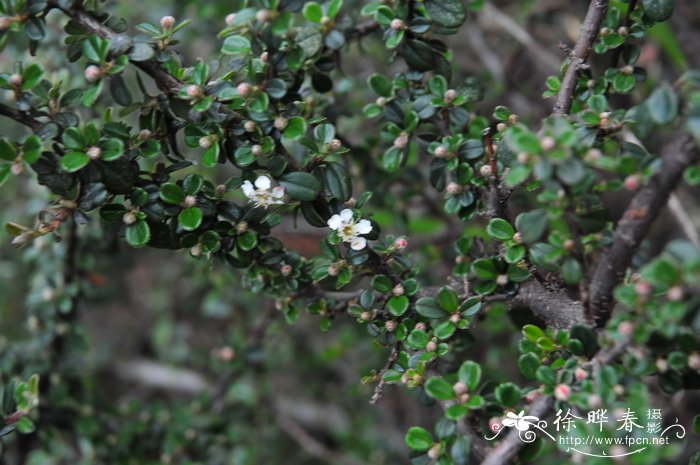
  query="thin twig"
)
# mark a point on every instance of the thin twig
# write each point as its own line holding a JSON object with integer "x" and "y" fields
{"x": 579, "y": 55}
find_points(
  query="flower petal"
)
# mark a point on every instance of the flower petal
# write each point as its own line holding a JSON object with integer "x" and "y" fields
{"x": 278, "y": 192}
{"x": 363, "y": 227}
{"x": 358, "y": 243}
{"x": 263, "y": 182}
{"x": 247, "y": 188}
{"x": 346, "y": 215}
{"x": 335, "y": 222}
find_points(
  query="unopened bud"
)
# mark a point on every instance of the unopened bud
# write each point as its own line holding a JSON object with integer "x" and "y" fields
{"x": 244, "y": 89}
{"x": 381, "y": 101}
{"x": 605, "y": 31}
{"x": 265, "y": 57}
{"x": 398, "y": 290}
{"x": 334, "y": 145}
{"x": 420, "y": 326}
{"x": 333, "y": 269}
{"x": 629, "y": 69}
{"x": 397, "y": 24}
{"x": 351, "y": 202}
{"x": 675, "y": 294}
{"x": 249, "y": 126}
{"x": 460, "y": 388}
{"x": 642, "y": 288}
{"x": 431, "y": 346}
{"x": 595, "y": 401}
{"x": 129, "y": 218}
{"x": 450, "y": 95}
{"x": 625, "y": 328}
{"x": 196, "y": 250}
{"x": 455, "y": 318}
{"x": 623, "y": 30}
{"x": 195, "y": 91}
{"x": 144, "y": 134}
{"x": 400, "y": 243}
{"x": 523, "y": 157}
{"x": 485, "y": 170}
{"x": 230, "y": 18}
{"x": 593, "y": 155}
{"x": 632, "y": 182}
{"x": 280, "y": 123}
{"x": 16, "y": 80}
{"x": 662, "y": 365}
{"x": 547, "y": 143}
{"x": 435, "y": 451}
{"x": 190, "y": 201}
{"x": 92, "y": 73}
{"x": 167, "y": 22}
{"x": 453, "y": 188}
{"x": 569, "y": 245}
{"x": 531, "y": 396}
{"x": 513, "y": 118}
{"x": 366, "y": 316}
{"x": 94, "y": 152}
{"x": 390, "y": 325}
{"x": 226, "y": 354}
{"x": 5, "y": 22}
{"x": 500, "y": 127}
{"x": 694, "y": 361}
{"x": 580, "y": 374}
{"x": 256, "y": 150}
{"x": 263, "y": 16}
{"x": 518, "y": 238}
{"x": 441, "y": 151}
{"x": 286, "y": 270}
{"x": 562, "y": 391}
{"x": 205, "y": 142}
{"x": 502, "y": 279}
{"x": 401, "y": 141}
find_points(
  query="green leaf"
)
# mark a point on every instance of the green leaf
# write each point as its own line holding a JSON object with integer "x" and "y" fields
{"x": 296, "y": 128}
{"x": 448, "y": 300}
{"x": 445, "y": 330}
{"x": 172, "y": 193}
{"x": 190, "y": 218}
{"x": 74, "y": 161}
{"x": 31, "y": 77}
{"x": 658, "y": 10}
{"x": 500, "y": 229}
{"x": 8, "y": 152}
{"x": 112, "y": 149}
{"x": 247, "y": 241}
{"x": 662, "y": 105}
{"x": 141, "y": 52}
{"x": 418, "y": 339}
{"x": 484, "y": 268}
{"x": 532, "y": 224}
{"x": 73, "y": 138}
{"x": 236, "y": 45}
{"x": 439, "y": 389}
{"x": 94, "y": 49}
{"x": 546, "y": 375}
{"x": 429, "y": 308}
{"x": 31, "y": 149}
{"x": 334, "y": 8}
{"x": 337, "y": 181}
{"x": 382, "y": 283}
{"x": 460, "y": 450}
{"x": 571, "y": 271}
{"x": 532, "y": 332}
{"x": 418, "y": 438}
{"x": 380, "y": 84}
{"x": 528, "y": 364}
{"x": 138, "y": 234}
{"x": 470, "y": 374}
{"x": 312, "y": 11}
{"x": 521, "y": 139}
{"x": 211, "y": 156}
{"x": 446, "y": 13}
{"x": 25, "y": 425}
{"x": 397, "y": 305}
{"x": 514, "y": 254}
{"x": 507, "y": 394}
{"x": 300, "y": 186}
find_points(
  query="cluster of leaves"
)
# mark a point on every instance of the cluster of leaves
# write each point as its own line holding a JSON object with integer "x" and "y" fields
{"x": 264, "y": 109}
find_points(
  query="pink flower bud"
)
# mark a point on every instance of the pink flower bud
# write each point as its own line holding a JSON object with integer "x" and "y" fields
{"x": 694, "y": 361}
{"x": 642, "y": 288}
{"x": 435, "y": 451}
{"x": 547, "y": 143}
{"x": 398, "y": 290}
{"x": 632, "y": 182}
{"x": 455, "y": 318}
{"x": 244, "y": 89}
{"x": 195, "y": 91}
{"x": 400, "y": 244}
{"x": 502, "y": 280}
{"x": 144, "y": 134}
{"x": 420, "y": 326}
{"x": 17, "y": 167}
{"x": 450, "y": 95}
{"x": 460, "y": 388}
{"x": 523, "y": 157}
{"x": 401, "y": 141}
{"x": 625, "y": 328}
{"x": 286, "y": 270}
{"x": 580, "y": 374}
{"x": 249, "y": 126}
{"x": 431, "y": 346}
{"x": 390, "y": 325}
{"x": 5, "y": 22}
{"x": 167, "y": 22}
{"x": 256, "y": 150}
{"x": 334, "y": 145}
{"x": 92, "y": 73}
{"x": 441, "y": 151}
{"x": 500, "y": 127}
{"x": 453, "y": 188}
{"x": 280, "y": 123}
{"x": 518, "y": 238}
{"x": 397, "y": 24}
{"x": 531, "y": 396}
{"x": 15, "y": 80}
{"x": 675, "y": 294}
{"x": 485, "y": 170}
{"x": 230, "y": 18}
{"x": 562, "y": 391}
{"x": 129, "y": 218}
{"x": 264, "y": 57}
{"x": 190, "y": 201}
{"x": 662, "y": 365}
{"x": 205, "y": 142}
{"x": 94, "y": 153}
{"x": 263, "y": 16}
{"x": 366, "y": 316}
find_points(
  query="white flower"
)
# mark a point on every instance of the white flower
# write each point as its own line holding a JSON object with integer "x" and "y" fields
{"x": 349, "y": 230}
{"x": 521, "y": 421}
{"x": 262, "y": 194}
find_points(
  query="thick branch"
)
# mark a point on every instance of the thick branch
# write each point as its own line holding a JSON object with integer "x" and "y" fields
{"x": 635, "y": 224}
{"x": 579, "y": 55}
{"x": 555, "y": 308}
{"x": 19, "y": 116}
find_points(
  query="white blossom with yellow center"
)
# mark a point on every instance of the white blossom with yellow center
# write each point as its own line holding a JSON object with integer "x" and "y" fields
{"x": 348, "y": 230}
{"x": 263, "y": 195}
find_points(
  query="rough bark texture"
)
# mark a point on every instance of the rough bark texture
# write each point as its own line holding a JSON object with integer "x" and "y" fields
{"x": 635, "y": 224}
{"x": 555, "y": 308}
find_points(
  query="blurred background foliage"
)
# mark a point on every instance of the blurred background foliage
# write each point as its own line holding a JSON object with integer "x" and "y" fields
{"x": 180, "y": 364}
